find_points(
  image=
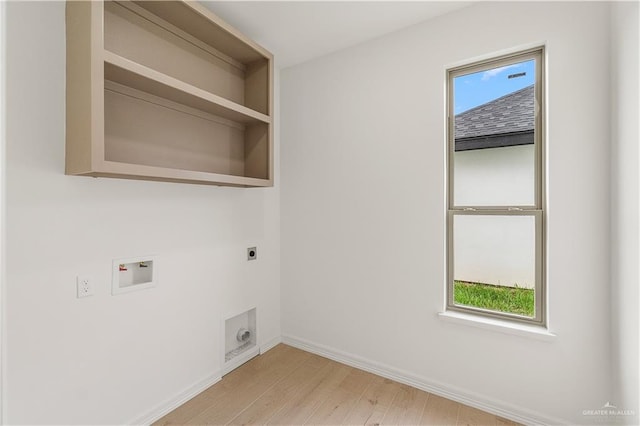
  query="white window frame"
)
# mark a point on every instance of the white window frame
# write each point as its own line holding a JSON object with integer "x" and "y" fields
{"x": 537, "y": 209}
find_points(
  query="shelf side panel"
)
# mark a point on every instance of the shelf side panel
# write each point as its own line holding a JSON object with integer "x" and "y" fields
{"x": 79, "y": 75}
{"x": 256, "y": 86}
{"x": 257, "y": 151}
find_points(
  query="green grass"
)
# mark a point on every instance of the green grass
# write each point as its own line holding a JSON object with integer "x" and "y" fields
{"x": 513, "y": 300}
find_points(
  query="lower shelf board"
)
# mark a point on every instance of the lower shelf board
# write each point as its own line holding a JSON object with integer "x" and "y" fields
{"x": 150, "y": 138}
{"x": 147, "y": 130}
{"x": 116, "y": 170}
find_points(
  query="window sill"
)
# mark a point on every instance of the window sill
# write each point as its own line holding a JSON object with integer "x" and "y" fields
{"x": 502, "y": 326}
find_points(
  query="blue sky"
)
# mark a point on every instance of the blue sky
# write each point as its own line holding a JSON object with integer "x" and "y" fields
{"x": 475, "y": 89}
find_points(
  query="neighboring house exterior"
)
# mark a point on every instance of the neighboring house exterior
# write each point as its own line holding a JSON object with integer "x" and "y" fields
{"x": 494, "y": 165}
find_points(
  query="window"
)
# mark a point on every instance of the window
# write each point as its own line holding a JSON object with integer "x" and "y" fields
{"x": 495, "y": 197}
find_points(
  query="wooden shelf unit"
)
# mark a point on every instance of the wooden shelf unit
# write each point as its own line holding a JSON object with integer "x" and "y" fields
{"x": 165, "y": 90}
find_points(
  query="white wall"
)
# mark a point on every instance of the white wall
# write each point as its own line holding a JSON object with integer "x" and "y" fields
{"x": 501, "y": 251}
{"x": 495, "y": 176}
{"x": 363, "y": 215}
{"x": 498, "y": 250}
{"x": 625, "y": 254}
{"x": 112, "y": 359}
{"x": 2, "y": 194}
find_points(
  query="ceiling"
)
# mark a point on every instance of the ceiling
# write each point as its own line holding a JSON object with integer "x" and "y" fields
{"x": 297, "y": 31}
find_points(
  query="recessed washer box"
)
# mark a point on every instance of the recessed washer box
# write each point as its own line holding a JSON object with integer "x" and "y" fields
{"x": 240, "y": 339}
{"x": 133, "y": 273}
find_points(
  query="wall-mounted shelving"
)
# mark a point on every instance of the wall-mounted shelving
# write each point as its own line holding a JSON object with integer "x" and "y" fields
{"x": 165, "y": 90}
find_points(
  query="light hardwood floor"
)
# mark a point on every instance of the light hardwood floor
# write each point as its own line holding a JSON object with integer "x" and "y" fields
{"x": 288, "y": 386}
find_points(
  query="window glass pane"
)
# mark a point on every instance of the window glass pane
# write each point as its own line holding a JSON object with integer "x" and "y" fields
{"x": 494, "y": 156}
{"x": 494, "y": 260}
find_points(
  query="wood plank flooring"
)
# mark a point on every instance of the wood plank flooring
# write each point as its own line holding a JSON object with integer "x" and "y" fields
{"x": 287, "y": 386}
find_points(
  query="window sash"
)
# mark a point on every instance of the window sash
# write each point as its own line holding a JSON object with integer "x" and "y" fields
{"x": 536, "y": 54}
{"x": 539, "y": 288}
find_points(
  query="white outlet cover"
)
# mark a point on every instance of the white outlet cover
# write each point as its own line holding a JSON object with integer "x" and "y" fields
{"x": 84, "y": 287}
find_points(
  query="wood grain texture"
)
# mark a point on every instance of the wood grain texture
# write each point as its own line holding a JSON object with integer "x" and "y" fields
{"x": 407, "y": 407}
{"x": 469, "y": 416}
{"x": 440, "y": 411}
{"x": 287, "y": 386}
{"x": 374, "y": 402}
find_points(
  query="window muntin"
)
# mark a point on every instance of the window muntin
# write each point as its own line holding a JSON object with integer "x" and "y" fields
{"x": 495, "y": 201}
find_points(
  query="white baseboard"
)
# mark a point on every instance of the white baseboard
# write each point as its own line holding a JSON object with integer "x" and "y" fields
{"x": 507, "y": 411}
{"x": 173, "y": 403}
{"x": 184, "y": 396}
{"x": 270, "y": 344}
{"x": 517, "y": 414}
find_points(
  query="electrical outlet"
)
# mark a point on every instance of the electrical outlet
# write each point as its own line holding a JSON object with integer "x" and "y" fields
{"x": 252, "y": 253}
{"x": 84, "y": 287}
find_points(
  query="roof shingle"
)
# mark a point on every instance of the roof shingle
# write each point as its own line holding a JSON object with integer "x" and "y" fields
{"x": 512, "y": 113}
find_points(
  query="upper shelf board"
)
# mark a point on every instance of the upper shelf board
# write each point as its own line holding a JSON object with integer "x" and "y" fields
{"x": 195, "y": 19}
{"x": 129, "y": 73}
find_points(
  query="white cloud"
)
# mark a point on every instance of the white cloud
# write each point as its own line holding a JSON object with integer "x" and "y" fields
{"x": 495, "y": 71}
